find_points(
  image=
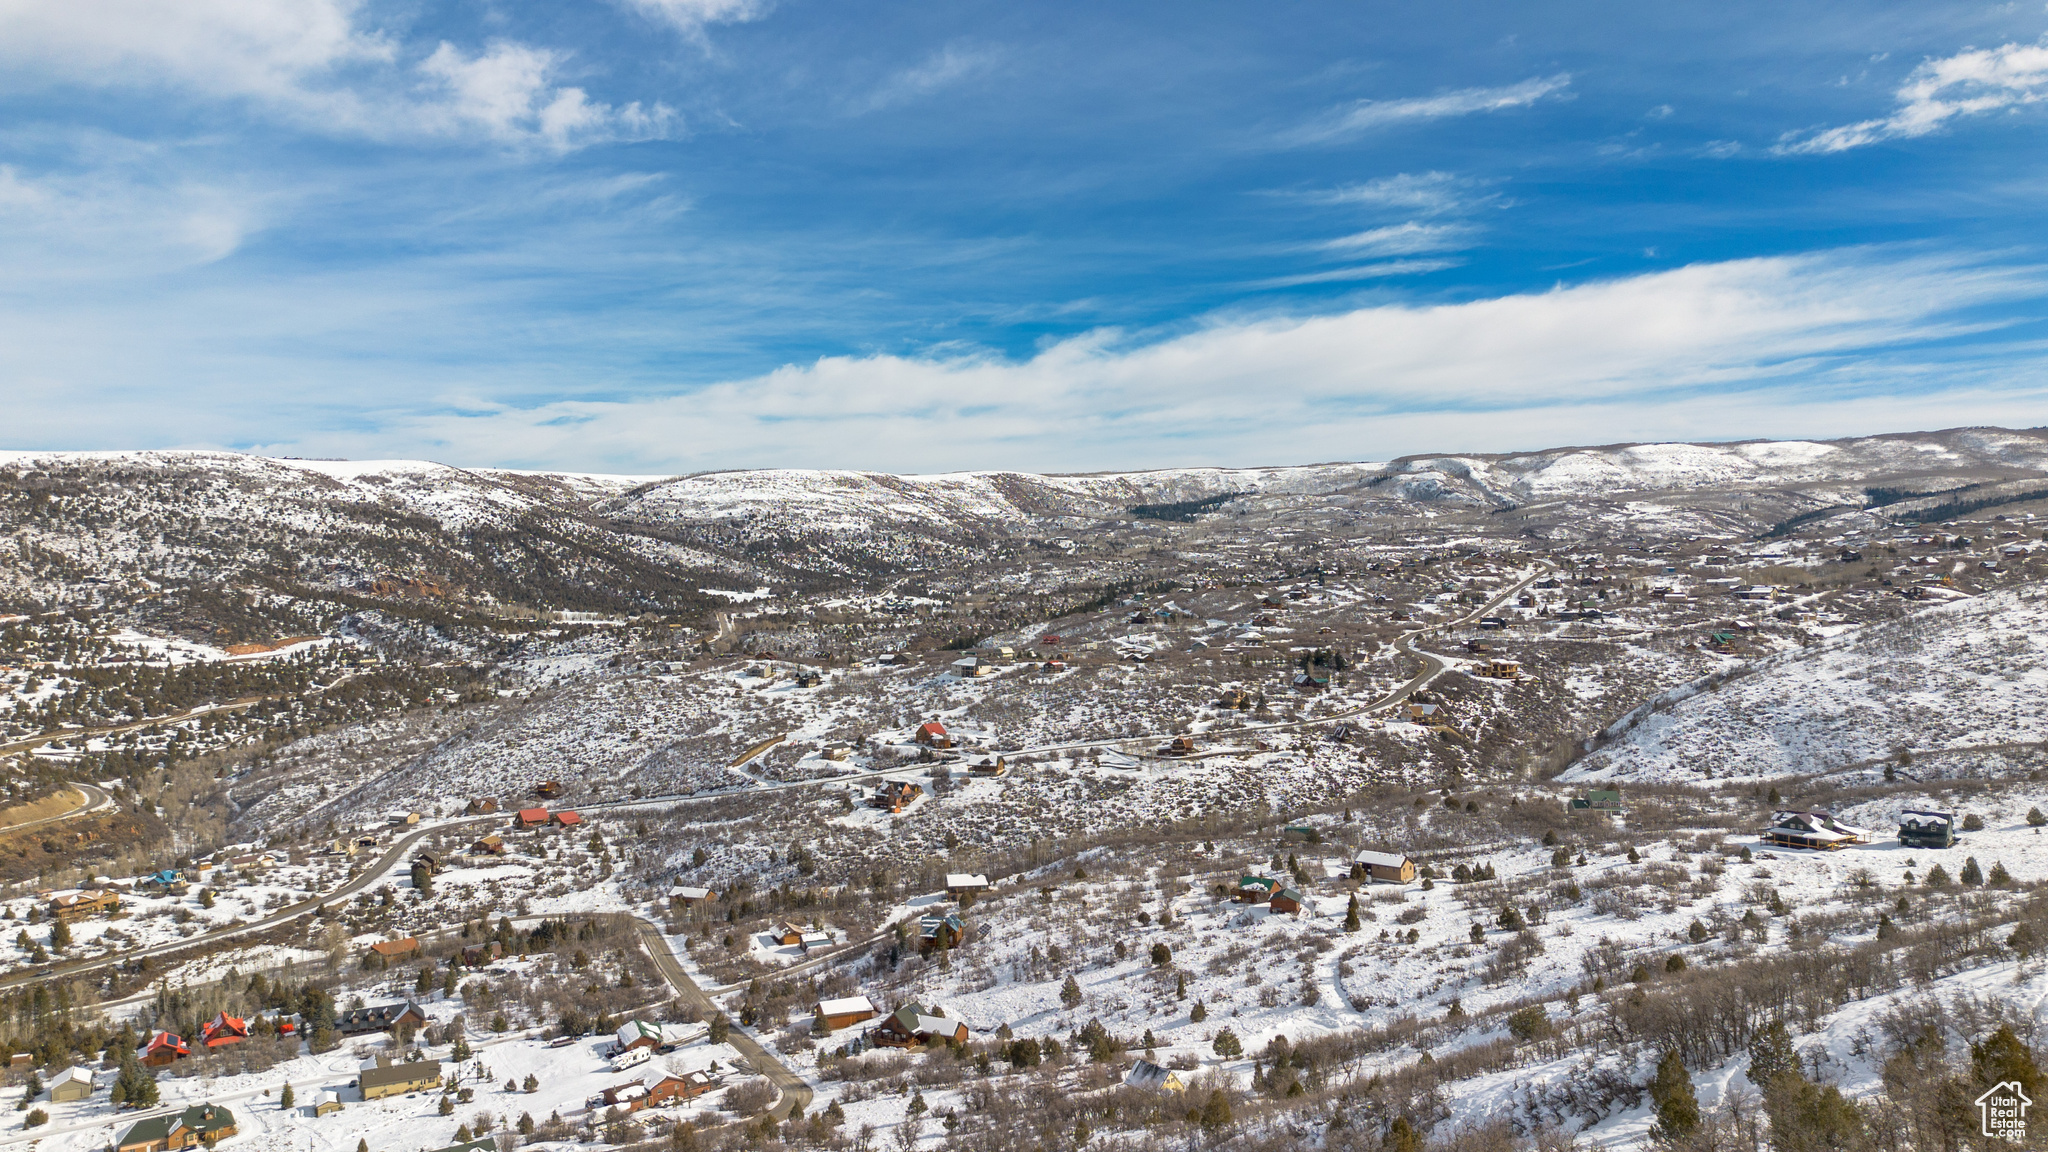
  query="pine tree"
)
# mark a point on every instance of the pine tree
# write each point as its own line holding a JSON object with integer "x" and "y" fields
{"x": 2036, "y": 817}
{"x": 1972, "y": 875}
{"x": 1216, "y": 1113}
{"x": 2003, "y": 1057}
{"x": 1401, "y": 1137}
{"x": 1228, "y": 1046}
{"x": 285, "y": 1099}
{"x": 1678, "y": 1110}
{"x": 1198, "y": 1013}
{"x": 60, "y": 936}
{"x": 1070, "y": 993}
{"x": 1351, "y": 920}
{"x": 1999, "y": 876}
{"x": 1771, "y": 1055}
{"x": 1161, "y": 955}
{"x": 1180, "y": 986}
{"x": 1478, "y": 933}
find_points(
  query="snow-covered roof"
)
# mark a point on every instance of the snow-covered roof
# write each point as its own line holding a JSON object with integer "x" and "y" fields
{"x": 966, "y": 880}
{"x": 1380, "y": 859}
{"x": 845, "y": 1006}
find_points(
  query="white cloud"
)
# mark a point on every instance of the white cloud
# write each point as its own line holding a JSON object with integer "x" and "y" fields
{"x": 1970, "y": 83}
{"x": 1430, "y": 193}
{"x": 1378, "y": 271}
{"x": 1401, "y": 239}
{"x": 942, "y": 69}
{"x": 1367, "y": 114}
{"x": 506, "y": 91}
{"x": 691, "y": 16}
{"x": 128, "y": 217}
{"x": 312, "y": 62}
{"x": 1802, "y": 333}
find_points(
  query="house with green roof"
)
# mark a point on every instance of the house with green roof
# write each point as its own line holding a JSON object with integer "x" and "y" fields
{"x": 199, "y": 1124}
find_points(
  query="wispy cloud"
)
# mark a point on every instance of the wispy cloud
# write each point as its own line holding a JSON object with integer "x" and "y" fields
{"x": 942, "y": 69}
{"x": 1400, "y": 239}
{"x": 314, "y": 62}
{"x": 1428, "y": 193}
{"x": 1351, "y": 119}
{"x": 1970, "y": 83}
{"x": 692, "y": 16}
{"x": 1359, "y": 272}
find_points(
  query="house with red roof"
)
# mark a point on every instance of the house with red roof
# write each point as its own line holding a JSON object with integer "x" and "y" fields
{"x": 932, "y": 734}
{"x": 566, "y": 820}
{"x": 223, "y": 1030}
{"x": 163, "y": 1048}
{"x": 531, "y": 817}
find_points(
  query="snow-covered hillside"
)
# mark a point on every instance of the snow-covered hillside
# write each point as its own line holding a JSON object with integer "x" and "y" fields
{"x": 1964, "y": 675}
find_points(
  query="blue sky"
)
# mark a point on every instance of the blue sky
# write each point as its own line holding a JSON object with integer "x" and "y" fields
{"x": 669, "y": 235}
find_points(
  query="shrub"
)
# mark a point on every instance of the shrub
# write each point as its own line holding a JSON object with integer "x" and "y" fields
{"x": 1529, "y": 1023}
{"x": 1973, "y": 823}
{"x": 2036, "y": 817}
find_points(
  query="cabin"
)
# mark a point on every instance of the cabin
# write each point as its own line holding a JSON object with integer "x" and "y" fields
{"x": 1811, "y": 830}
{"x": 939, "y": 933}
{"x": 1255, "y": 889}
{"x": 396, "y": 949}
{"x": 1235, "y": 698}
{"x": 81, "y": 905}
{"x": 965, "y": 884}
{"x": 1597, "y": 800}
{"x": 932, "y": 734}
{"x": 1179, "y": 746}
{"x": 491, "y": 845}
{"x": 837, "y": 751}
{"x": 566, "y": 819}
{"x": 1501, "y": 670}
{"x": 548, "y": 789}
{"x": 206, "y": 1124}
{"x": 382, "y": 1078}
{"x": 401, "y": 819}
{"x": 74, "y": 1083}
{"x": 379, "y": 1018}
{"x": 989, "y": 767}
{"x": 164, "y": 1048}
{"x": 326, "y": 1102}
{"x": 427, "y": 860}
{"x": 687, "y": 894}
{"x": 1428, "y": 715}
{"x": 1344, "y": 734}
{"x": 1919, "y": 829}
{"x": 787, "y": 934}
{"x": 1055, "y": 665}
{"x": 809, "y": 679}
{"x": 1387, "y": 867}
{"x": 912, "y": 1027}
{"x": 970, "y": 667}
{"x": 481, "y": 955}
{"x": 1492, "y": 623}
{"x": 223, "y": 1030}
{"x": 634, "y": 1035}
{"x": 481, "y": 806}
{"x": 1286, "y": 900}
{"x": 530, "y": 818}
{"x": 813, "y": 939}
{"x": 844, "y": 1012}
{"x": 1146, "y": 1074}
{"x": 1312, "y": 680}
{"x": 895, "y": 795}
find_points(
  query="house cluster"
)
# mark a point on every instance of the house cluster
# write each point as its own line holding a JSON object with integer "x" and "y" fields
{"x": 542, "y": 818}
{"x": 1272, "y": 893}
{"x": 911, "y": 1026}
{"x": 654, "y": 1090}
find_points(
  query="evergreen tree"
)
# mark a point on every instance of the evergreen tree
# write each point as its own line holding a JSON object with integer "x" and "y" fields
{"x": 1401, "y": 1137}
{"x": 1198, "y": 1013}
{"x": 1972, "y": 875}
{"x": 1070, "y": 993}
{"x": 1771, "y": 1055}
{"x": 1678, "y": 1110}
{"x": 1228, "y": 1046}
{"x": 1351, "y": 921}
{"x": 285, "y": 1099}
{"x": 1999, "y": 876}
{"x": 1216, "y": 1113}
{"x": 1161, "y": 955}
{"x": 2036, "y": 817}
{"x": 2003, "y": 1057}
{"x": 60, "y": 936}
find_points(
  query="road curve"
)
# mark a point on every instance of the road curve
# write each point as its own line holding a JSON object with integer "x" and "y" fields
{"x": 795, "y": 1091}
